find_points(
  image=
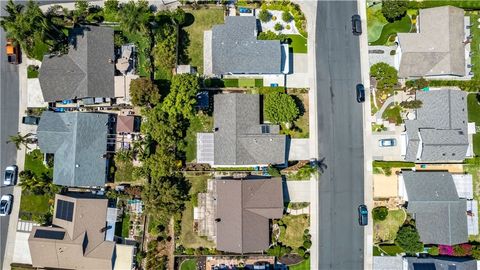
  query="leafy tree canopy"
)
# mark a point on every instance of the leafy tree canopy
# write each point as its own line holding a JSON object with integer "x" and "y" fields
{"x": 144, "y": 92}
{"x": 135, "y": 16}
{"x": 409, "y": 239}
{"x": 264, "y": 15}
{"x": 287, "y": 17}
{"x": 386, "y": 75}
{"x": 280, "y": 108}
{"x": 164, "y": 52}
{"x": 182, "y": 97}
{"x": 394, "y": 9}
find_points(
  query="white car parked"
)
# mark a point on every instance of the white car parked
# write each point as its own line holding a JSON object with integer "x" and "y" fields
{"x": 6, "y": 205}
{"x": 10, "y": 176}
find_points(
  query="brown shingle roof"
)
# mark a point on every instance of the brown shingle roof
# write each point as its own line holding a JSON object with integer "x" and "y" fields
{"x": 244, "y": 208}
{"x": 84, "y": 245}
{"x": 125, "y": 124}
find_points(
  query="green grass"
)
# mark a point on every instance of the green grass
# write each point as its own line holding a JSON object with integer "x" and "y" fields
{"x": 475, "y": 46}
{"x": 386, "y": 230}
{"x": 34, "y": 163}
{"x": 32, "y": 72}
{"x": 32, "y": 205}
{"x": 392, "y": 164}
{"x": 40, "y": 49}
{"x": 376, "y": 251}
{"x": 204, "y": 20}
{"x": 375, "y": 22}
{"x": 142, "y": 43}
{"x": 295, "y": 226}
{"x": 305, "y": 265}
{"x": 125, "y": 225}
{"x": 392, "y": 114}
{"x": 299, "y": 43}
{"x": 190, "y": 264}
{"x": 378, "y": 128}
{"x": 258, "y": 82}
{"x": 402, "y": 26}
{"x": 231, "y": 82}
{"x": 124, "y": 171}
{"x": 188, "y": 238}
{"x": 246, "y": 82}
{"x": 200, "y": 123}
{"x": 465, "y": 4}
{"x": 473, "y": 108}
{"x": 390, "y": 250}
{"x": 474, "y": 170}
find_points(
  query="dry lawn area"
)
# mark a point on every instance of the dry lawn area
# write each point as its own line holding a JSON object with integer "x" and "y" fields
{"x": 386, "y": 230}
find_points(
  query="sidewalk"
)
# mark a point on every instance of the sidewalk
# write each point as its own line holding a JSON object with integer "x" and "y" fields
{"x": 17, "y": 191}
{"x": 310, "y": 10}
{"x": 367, "y": 139}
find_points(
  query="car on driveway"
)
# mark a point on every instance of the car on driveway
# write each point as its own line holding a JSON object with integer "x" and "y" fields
{"x": 356, "y": 25}
{"x": 30, "y": 120}
{"x": 387, "y": 142}
{"x": 362, "y": 215}
{"x": 10, "y": 175}
{"x": 360, "y": 93}
{"x": 6, "y": 205}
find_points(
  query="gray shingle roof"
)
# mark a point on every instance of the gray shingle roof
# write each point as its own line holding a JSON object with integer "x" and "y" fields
{"x": 440, "y": 128}
{"x": 238, "y": 139}
{"x": 441, "y": 263}
{"x": 440, "y": 216}
{"x": 78, "y": 142}
{"x": 86, "y": 71}
{"x": 428, "y": 53}
{"x": 235, "y": 48}
{"x": 244, "y": 208}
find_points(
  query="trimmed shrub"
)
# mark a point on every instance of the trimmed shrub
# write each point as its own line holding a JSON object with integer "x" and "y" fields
{"x": 307, "y": 244}
{"x": 278, "y": 27}
{"x": 264, "y": 15}
{"x": 434, "y": 251}
{"x": 380, "y": 213}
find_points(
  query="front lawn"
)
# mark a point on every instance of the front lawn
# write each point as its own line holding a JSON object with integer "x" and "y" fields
{"x": 34, "y": 163}
{"x": 375, "y": 22}
{"x": 386, "y": 230}
{"x": 123, "y": 171}
{"x": 34, "y": 206}
{"x": 122, "y": 228}
{"x": 390, "y": 250}
{"x": 188, "y": 238}
{"x": 200, "y": 123}
{"x": 473, "y": 108}
{"x": 204, "y": 19}
{"x": 402, "y": 26}
{"x": 305, "y": 265}
{"x": 190, "y": 264}
{"x": 300, "y": 127}
{"x": 392, "y": 114}
{"x": 298, "y": 44}
{"x": 295, "y": 227}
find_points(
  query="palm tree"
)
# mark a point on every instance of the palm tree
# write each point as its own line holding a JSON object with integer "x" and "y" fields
{"x": 20, "y": 140}
{"x": 135, "y": 17}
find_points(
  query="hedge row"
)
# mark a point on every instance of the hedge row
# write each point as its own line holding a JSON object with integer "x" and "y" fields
{"x": 469, "y": 86}
{"x": 392, "y": 164}
{"x": 465, "y": 4}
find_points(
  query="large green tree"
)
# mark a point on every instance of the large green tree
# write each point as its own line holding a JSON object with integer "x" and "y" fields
{"x": 143, "y": 92}
{"x": 409, "y": 239}
{"x": 18, "y": 140}
{"x": 385, "y": 75}
{"x": 280, "y": 108}
{"x": 164, "y": 52}
{"x": 165, "y": 196}
{"x": 394, "y": 9}
{"x": 182, "y": 97}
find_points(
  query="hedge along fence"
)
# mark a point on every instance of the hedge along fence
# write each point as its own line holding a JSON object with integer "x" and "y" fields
{"x": 469, "y": 86}
{"x": 294, "y": 9}
{"x": 465, "y": 4}
{"x": 392, "y": 164}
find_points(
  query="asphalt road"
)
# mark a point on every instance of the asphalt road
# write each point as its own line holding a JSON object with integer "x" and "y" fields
{"x": 9, "y": 98}
{"x": 340, "y": 135}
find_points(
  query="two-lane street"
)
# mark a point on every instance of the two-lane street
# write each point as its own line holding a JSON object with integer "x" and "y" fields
{"x": 340, "y": 135}
{"x": 9, "y": 100}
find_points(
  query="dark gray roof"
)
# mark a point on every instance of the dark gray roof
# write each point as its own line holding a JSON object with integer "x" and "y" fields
{"x": 440, "y": 216}
{"x": 239, "y": 138}
{"x": 244, "y": 208}
{"x": 86, "y": 71}
{"x": 235, "y": 48}
{"x": 439, "y": 131}
{"x": 441, "y": 263}
{"x": 78, "y": 142}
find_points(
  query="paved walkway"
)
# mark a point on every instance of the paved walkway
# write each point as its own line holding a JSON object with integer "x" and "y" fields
{"x": 296, "y": 212}
{"x": 398, "y": 97}
{"x": 26, "y": 226}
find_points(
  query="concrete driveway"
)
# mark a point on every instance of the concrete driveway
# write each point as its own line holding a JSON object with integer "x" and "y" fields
{"x": 390, "y": 153}
{"x": 296, "y": 191}
{"x": 299, "y": 149}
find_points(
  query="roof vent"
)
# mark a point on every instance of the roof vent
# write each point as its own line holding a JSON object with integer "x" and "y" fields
{"x": 77, "y": 165}
{"x": 218, "y": 219}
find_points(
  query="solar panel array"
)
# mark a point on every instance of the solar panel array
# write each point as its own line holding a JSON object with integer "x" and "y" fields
{"x": 47, "y": 234}
{"x": 64, "y": 210}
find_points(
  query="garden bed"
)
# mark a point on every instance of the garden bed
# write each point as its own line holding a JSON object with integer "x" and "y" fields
{"x": 393, "y": 114}
{"x": 296, "y": 225}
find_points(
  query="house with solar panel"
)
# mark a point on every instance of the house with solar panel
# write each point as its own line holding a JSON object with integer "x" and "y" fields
{"x": 239, "y": 136}
{"x": 81, "y": 144}
{"x": 232, "y": 48}
{"x": 82, "y": 235}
